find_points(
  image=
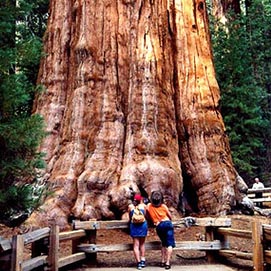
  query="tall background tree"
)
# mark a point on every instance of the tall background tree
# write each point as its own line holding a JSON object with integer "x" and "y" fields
{"x": 242, "y": 59}
{"x": 21, "y": 29}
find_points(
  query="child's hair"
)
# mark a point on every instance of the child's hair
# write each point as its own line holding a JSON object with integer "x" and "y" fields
{"x": 157, "y": 198}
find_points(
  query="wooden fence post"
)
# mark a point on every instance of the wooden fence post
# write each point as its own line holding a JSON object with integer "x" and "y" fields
{"x": 54, "y": 247}
{"x": 17, "y": 256}
{"x": 257, "y": 237}
{"x": 224, "y": 239}
{"x": 91, "y": 238}
{"x": 209, "y": 236}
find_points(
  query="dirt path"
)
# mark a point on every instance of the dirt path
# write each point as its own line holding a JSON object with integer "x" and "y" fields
{"x": 206, "y": 267}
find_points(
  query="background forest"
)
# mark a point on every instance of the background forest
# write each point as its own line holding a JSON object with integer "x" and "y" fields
{"x": 241, "y": 39}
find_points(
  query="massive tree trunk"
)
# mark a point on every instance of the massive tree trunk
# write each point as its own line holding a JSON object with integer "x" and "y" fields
{"x": 131, "y": 104}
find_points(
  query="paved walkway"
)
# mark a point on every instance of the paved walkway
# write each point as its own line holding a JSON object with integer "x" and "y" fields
{"x": 204, "y": 267}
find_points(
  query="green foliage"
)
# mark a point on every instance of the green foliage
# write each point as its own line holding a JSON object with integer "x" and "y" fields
{"x": 19, "y": 141}
{"x": 241, "y": 50}
{"x": 17, "y": 198}
{"x": 21, "y": 30}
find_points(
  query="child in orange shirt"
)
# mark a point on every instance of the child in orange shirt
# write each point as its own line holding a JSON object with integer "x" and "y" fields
{"x": 161, "y": 218}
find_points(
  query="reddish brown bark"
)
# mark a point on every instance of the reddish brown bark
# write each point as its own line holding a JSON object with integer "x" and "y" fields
{"x": 131, "y": 104}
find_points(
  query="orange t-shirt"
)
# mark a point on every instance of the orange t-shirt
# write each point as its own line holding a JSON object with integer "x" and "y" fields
{"x": 158, "y": 214}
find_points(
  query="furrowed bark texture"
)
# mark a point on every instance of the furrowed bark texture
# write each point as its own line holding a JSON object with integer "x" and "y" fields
{"x": 131, "y": 104}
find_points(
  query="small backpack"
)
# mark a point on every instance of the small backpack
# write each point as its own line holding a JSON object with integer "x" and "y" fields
{"x": 137, "y": 217}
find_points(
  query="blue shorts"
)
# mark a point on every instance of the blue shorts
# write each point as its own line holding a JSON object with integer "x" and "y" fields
{"x": 139, "y": 230}
{"x": 165, "y": 231}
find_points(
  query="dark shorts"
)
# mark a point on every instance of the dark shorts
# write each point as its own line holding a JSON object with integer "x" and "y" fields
{"x": 165, "y": 231}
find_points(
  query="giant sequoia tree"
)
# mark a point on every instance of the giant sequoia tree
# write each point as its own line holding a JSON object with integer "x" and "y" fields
{"x": 132, "y": 104}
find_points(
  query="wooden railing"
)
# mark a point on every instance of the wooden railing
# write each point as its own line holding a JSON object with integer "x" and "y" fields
{"x": 209, "y": 245}
{"x": 45, "y": 243}
{"x": 44, "y": 249}
{"x": 260, "y": 235}
{"x": 265, "y": 198}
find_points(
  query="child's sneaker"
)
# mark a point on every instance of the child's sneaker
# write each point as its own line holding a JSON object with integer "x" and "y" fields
{"x": 143, "y": 264}
{"x": 139, "y": 267}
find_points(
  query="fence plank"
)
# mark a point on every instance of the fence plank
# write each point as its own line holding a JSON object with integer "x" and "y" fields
{"x": 235, "y": 253}
{"x": 155, "y": 245}
{"x": 213, "y": 222}
{"x": 36, "y": 235}
{"x": 97, "y": 225}
{"x": 261, "y": 200}
{"x": 266, "y": 189}
{"x": 257, "y": 236}
{"x": 5, "y": 244}
{"x": 71, "y": 259}
{"x": 34, "y": 263}
{"x": 71, "y": 235}
{"x": 200, "y": 245}
{"x": 235, "y": 232}
{"x": 124, "y": 224}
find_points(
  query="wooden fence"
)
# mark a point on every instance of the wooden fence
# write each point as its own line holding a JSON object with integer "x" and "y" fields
{"x": 45, "y": 244}
{"x": 260, "y": 234}
{"x": 266, "y": 195}
{"x": 209, "y": 245}
{"x": 44, "y": 249}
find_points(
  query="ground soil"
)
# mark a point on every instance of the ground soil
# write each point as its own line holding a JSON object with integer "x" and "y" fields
{"x": 114, "y": 259}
